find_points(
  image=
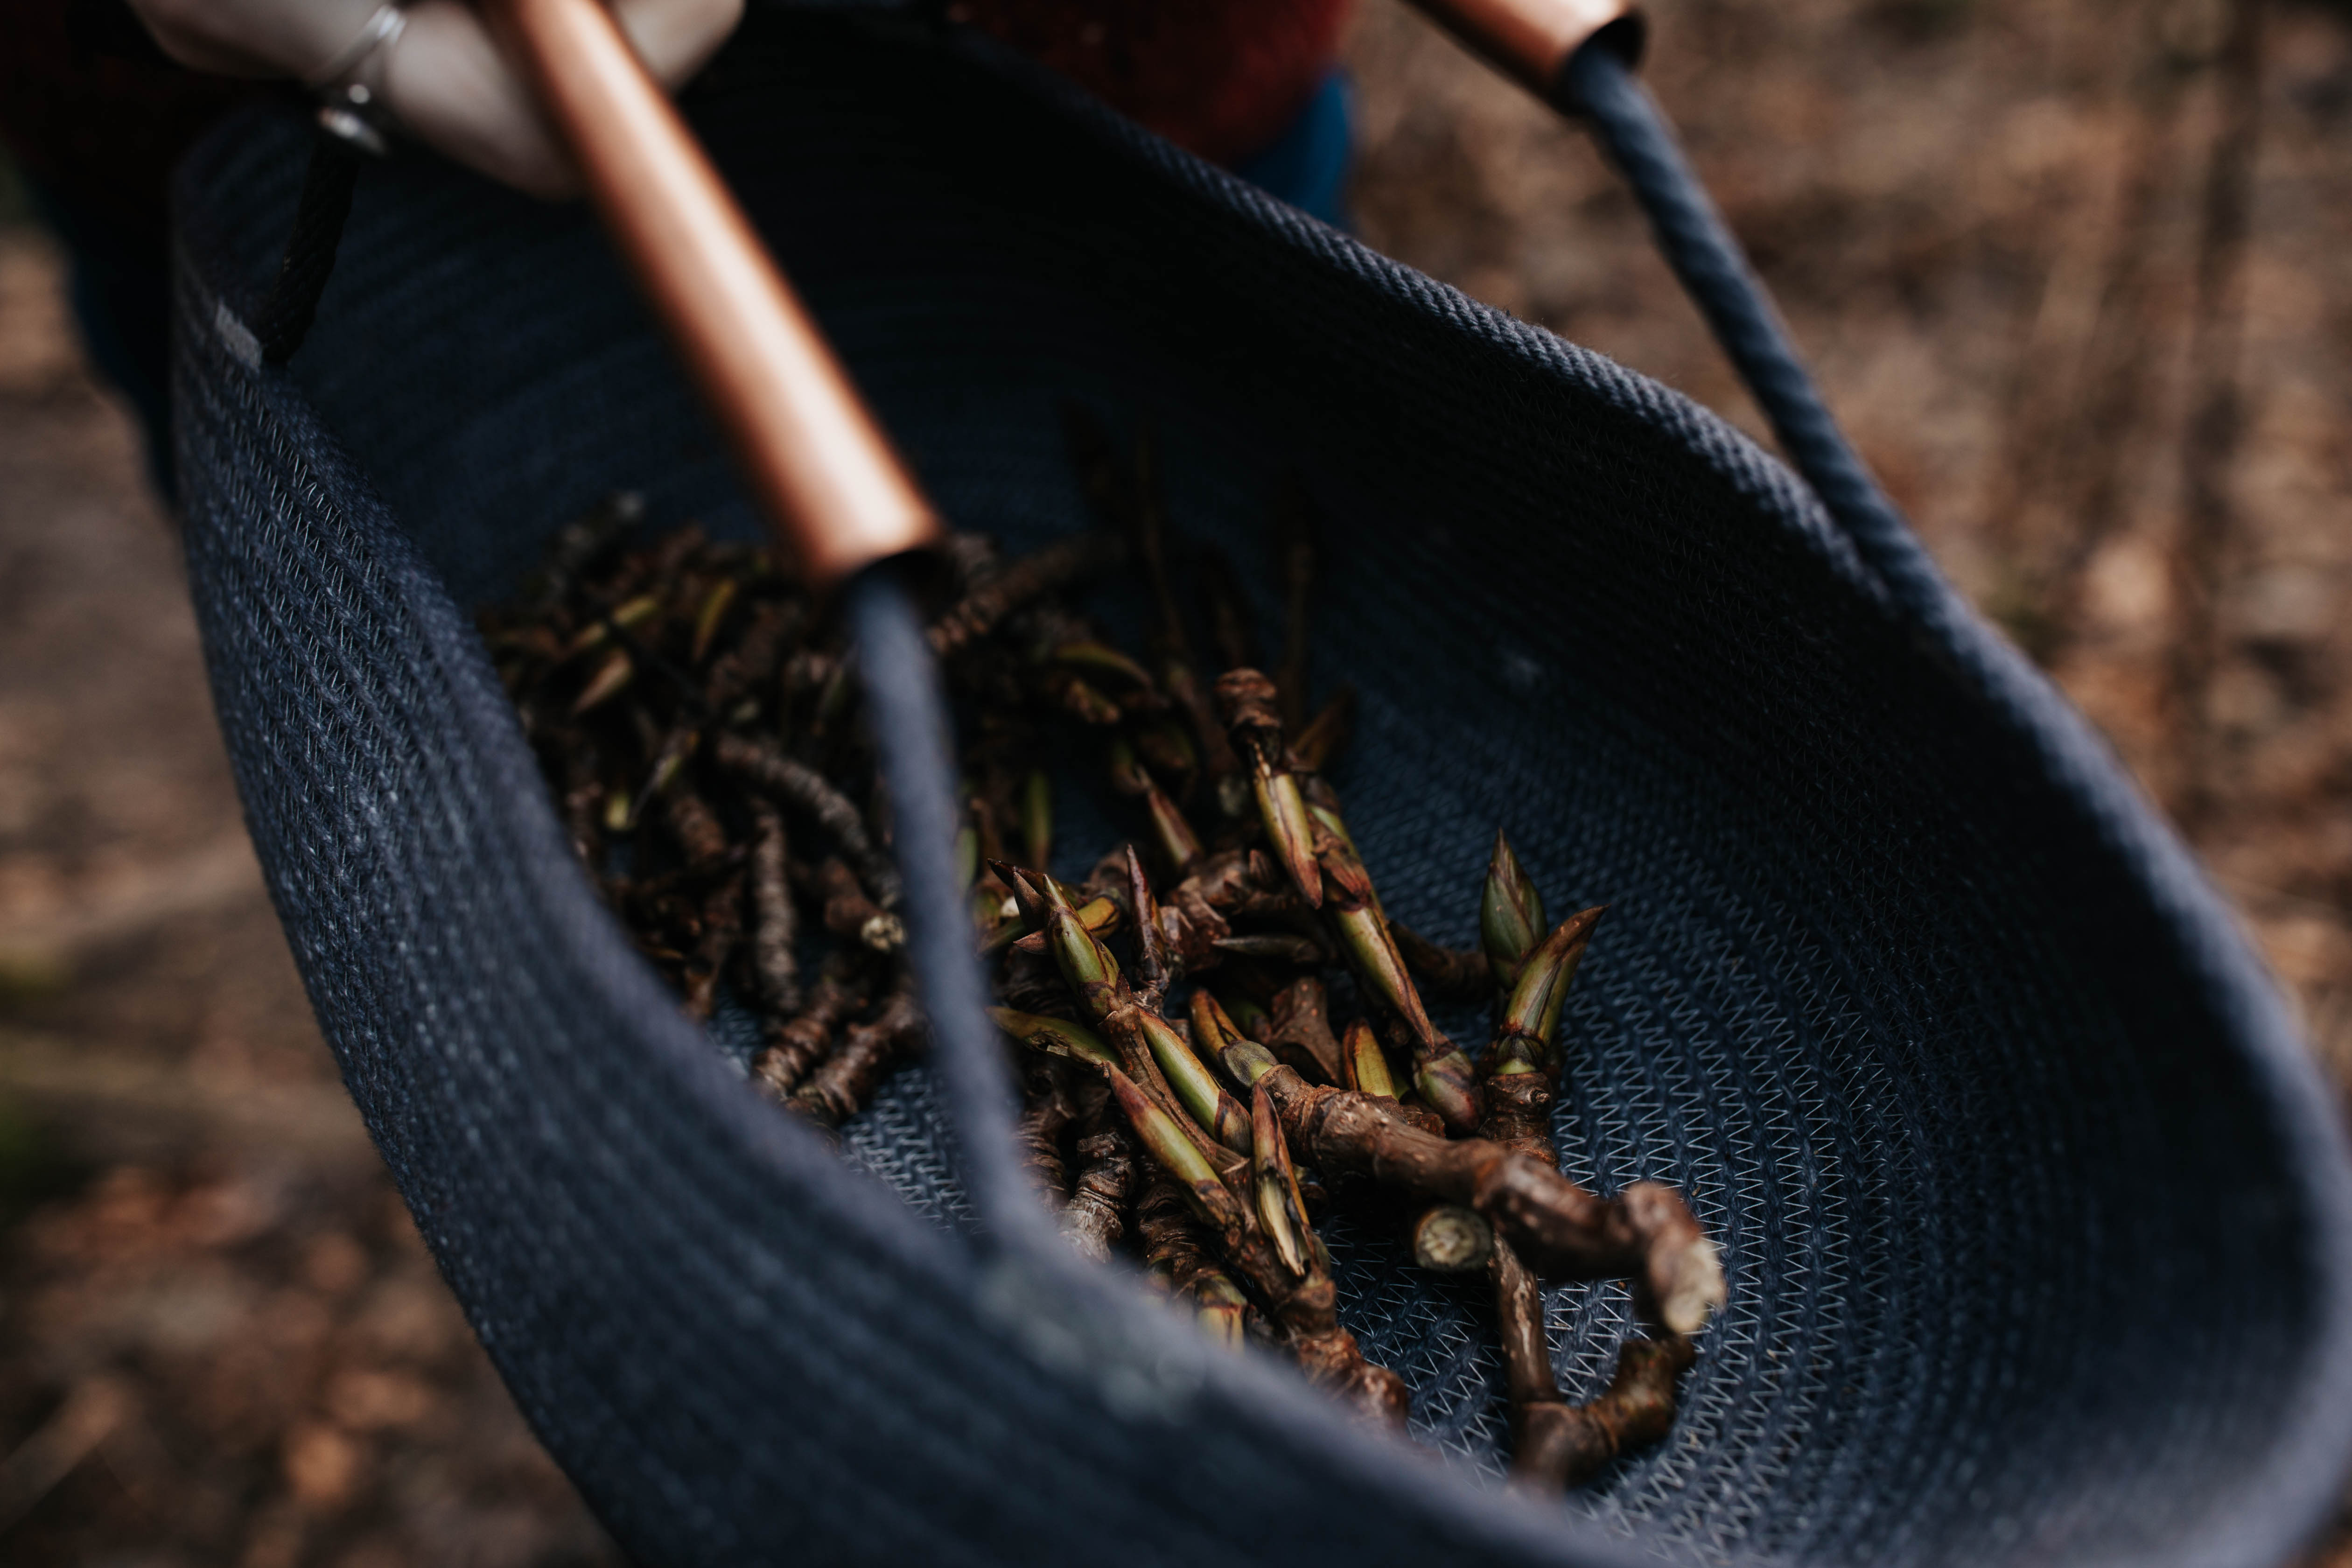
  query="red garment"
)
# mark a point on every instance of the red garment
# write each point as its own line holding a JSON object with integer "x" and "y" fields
{"x": 1223, "y": 77}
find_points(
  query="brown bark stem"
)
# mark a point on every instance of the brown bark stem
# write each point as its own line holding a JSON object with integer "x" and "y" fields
{"x": 722, "y": 929}
{"x": 799, "y": 1044}
{"x": 870, "y": 1052}
{"x": 1554, "y": 1444}
{"x": 1302, "y": 1029}
{"x": 1449, "y": 973}
{"x": 777, "y": 925}
{"x": 796, "y": 784}
{"x": 1057, "y": 566}
{"x": 1094, "y": 1219}
{"x": 1645, "y": 1233}
{"x": 849, "y": 912}
{"x": 1045, "y": 1112}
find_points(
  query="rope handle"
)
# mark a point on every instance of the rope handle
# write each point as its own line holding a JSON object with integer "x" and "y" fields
{"x": 1578, "y": 55}
{"x": 284, "y": 316}
{"x": 1597, "y": 86}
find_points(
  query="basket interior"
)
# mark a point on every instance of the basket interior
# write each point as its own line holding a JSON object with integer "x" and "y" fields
{"x": 2016, "y": 1269}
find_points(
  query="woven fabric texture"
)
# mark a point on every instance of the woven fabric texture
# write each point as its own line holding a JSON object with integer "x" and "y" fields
{"x": 2033, "y": 1212}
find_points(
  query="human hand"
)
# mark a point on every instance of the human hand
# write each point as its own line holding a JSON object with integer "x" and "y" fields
{"x": 442, "y": 76}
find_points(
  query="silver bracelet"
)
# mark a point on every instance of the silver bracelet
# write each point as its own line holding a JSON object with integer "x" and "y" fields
{"x": 350, "y": 88}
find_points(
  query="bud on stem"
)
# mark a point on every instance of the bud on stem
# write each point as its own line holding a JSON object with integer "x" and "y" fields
{"x": 1165, "y": 1140}
{"x": 1274, "y": 1189}
{"x": 1037, "y": 819}
{"x": 1510, "y": 914}
{"x": 1365, "y": 1065}
{"x": 1058, "y": 1036}
{"x": 1204, "y": 1099}
{"x": 1248, "y": 701}
{"x": 1523, "y": 1041}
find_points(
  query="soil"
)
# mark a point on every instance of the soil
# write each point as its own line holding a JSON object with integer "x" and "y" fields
{"x": 2001, "y": 228}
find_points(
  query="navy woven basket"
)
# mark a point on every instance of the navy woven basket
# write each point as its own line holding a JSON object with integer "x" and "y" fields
{"x": 2034, "y": 1212}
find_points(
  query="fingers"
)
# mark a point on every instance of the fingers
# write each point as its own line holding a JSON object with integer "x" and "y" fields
{"x": 675, "y": 37}
{"x": 447, "y": 85}
{"x": 443, "y": 77}
{"x": 255, "y": 38}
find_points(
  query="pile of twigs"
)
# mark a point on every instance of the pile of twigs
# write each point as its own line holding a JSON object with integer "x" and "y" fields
{"x": 697, "y": 716}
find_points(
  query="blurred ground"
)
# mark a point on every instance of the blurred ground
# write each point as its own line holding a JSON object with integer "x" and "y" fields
{"x": 221, "y": 1342}
{"x": 2114, "y": 388}
{"x": 2121, "y": 418}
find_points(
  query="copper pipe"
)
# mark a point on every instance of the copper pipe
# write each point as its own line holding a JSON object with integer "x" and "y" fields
{"x": 818, "y": 463}
{"x": 1531, "y": 40}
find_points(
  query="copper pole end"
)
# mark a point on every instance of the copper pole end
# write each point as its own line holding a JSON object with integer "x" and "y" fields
{"x": 1532, "y": 39}
{"x": 815, "y": 459}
